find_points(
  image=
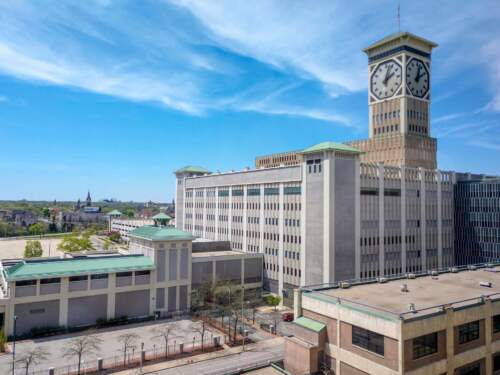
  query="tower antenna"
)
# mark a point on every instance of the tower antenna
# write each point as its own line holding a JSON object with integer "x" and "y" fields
{"x": 398, "y": 16}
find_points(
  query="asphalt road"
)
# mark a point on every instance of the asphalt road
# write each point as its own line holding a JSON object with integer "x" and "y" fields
{"x": 259, "y": 353}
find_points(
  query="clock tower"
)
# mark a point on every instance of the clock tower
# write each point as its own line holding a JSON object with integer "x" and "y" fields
{"x": 399, "y": 95}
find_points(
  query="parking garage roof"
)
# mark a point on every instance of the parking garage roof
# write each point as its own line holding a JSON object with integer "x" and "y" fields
{"x": 37, "y": 269}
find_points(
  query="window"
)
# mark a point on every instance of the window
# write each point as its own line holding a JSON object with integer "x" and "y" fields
{"x": 496, "y": 323}
{"x": 496, "y": 363}
{"x": 468, "y": 332}
{"x": 124, "y": 274}
{"x": 474, "y": 369}
{"x": 368, "y": 340}
{"x": 271, "y": 191}
{"x": 139, "y": 273}
{"x": 78, "y": 278}
{"x": 425, "y": 345}
{"x": 26, "y": 283}
{"x": 55, "y": 280}
{"x": 99, "y": 276}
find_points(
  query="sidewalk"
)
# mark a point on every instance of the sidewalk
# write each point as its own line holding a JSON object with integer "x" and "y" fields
{"x": 202, "y": 357}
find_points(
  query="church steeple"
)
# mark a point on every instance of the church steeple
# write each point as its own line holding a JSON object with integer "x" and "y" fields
{"x": 88, "y": 200}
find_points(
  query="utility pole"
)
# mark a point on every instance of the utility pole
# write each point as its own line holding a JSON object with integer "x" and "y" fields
{"x": 14, "y": 347}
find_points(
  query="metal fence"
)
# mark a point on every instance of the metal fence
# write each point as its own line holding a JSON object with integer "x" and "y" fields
{"x": 132, "y": 359}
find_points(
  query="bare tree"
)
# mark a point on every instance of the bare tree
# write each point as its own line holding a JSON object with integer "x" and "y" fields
{"x": 82, "y": 346}
{"x": 201, "y": 327}
{"x": 164, "y": 332}
{"x": 128, "y": 341}
{"x": 32, "y": 357}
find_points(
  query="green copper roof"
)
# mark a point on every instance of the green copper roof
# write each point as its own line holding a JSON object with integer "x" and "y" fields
{"x": 77, "y": 266}
{"x": 161, "y": 233}
{"x": 330, "y": 146}
{"x": 192, "y": 169}
{"x": 161, "y": 216}
{"x": 115, "y": 213}
{"x": 313, "y": 325}
{"x": 399, "y": 35}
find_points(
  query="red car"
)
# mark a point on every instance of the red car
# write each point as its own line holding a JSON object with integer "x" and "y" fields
{"x": 287, "y": 317}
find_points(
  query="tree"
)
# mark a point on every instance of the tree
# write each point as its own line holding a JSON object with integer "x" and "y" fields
{"x": 273, "y": 300}
{"x": 74, "y": 242}
{"x": 115, "y": 237}
{"x": 129, "y": 213}
{"x": 164, "y": 332}
{"x": 33, "y": 249}
{"x": 128, "y": 341}
{"x": 36, "y": 229}
{"x": 82, "y": 346}
{"x": 201, "y": 327}
{"x": 32, "y": 357}
{"x": 45, "y": 212}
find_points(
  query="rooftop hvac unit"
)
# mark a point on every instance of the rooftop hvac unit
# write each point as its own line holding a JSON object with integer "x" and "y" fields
{"x": 411, "y": 307}
{"x": 486, "y": 284}
{"x": 383, "y": 280}
{"x": 404, "y": 288}
{"x": 454, "y": 269}
{"x": 434, "y": 273}
{"x": 472, "y": 267}
{"x": 410, "y": 275}
{"x": 345, "y": 285}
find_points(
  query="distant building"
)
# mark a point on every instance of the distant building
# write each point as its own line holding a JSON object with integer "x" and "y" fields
{"x": 477, "y": 219}
{"x": 154, "y": 280}
{"x": 125, "y": 225}
{"x": 445, "y": 323}
{"x": 81, "y": 214}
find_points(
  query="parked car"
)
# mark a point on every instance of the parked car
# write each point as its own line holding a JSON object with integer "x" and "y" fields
{"x": 287, "y": 317}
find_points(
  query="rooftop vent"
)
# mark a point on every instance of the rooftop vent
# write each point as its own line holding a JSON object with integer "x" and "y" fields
{"x": 472, "y": 267}
{"x": 434, "y": 273}
{"x": 411, "y": 307}
{"x": 345, "y": 285}
{"x": 410, "y": 275}
{"x": 486, "y": 284}
{"x": 382, "y": 280}
{"x": 404, "y": 288}
{"x": 454, "y": 269}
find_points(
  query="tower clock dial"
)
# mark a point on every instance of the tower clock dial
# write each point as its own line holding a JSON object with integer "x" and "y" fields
{"x": 386, "y": 79}
{"x": 417, "y": 77}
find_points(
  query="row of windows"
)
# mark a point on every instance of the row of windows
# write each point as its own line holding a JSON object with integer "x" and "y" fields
{"x": 380, "y": 117}
{"x": 386, "y": 129}
{"x": 314, "y": 166}
{"x": 388, "y": 240}
{"x": 417, "y": 128}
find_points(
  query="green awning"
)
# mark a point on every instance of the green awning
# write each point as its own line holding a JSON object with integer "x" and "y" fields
{"x": 311, "y": 324}
{"x": 36, "y": 269}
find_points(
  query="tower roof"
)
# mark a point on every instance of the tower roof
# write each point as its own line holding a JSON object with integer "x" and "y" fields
{"x": 192, "y": 169}
{"x": 330, "y": 146}
{"x": 115, "y": 213}
{"x": 161, "y": 216}
{"x": 402, "y": 36}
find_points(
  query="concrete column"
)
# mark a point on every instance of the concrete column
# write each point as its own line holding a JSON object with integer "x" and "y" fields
{"x": 439, "y": 221}
{"x": 488, "y": 329}
{"x": 261, "y": 219}
{"x": 230, "y": 213}
{"x": 281, "y": 251}
{"x": 450, "y": 342}
{"x": 111, "y": 295}
{"x": 245, "y": 217}
{"x": 381, "y": 219}
{"x": 357, "y": 220}
{"x": 193, "y": 221}
{"x": 423, "y": 222}
{"x": 205, "y": 213}
{"x": 403, "y": 219}
{"x": 297, "y": 303}
{"x": 214, "y": 278}
{"x": 217, "y": 213}
{"x": 242, "y": 264}
{"x": 184, "y": 203}
{"x": 63, "y": 302}
{"x": 303, "y": 233}
{"x": 328, "y": 217}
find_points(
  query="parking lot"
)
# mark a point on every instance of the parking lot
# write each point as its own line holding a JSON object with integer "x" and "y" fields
{"x": 182, "y": 331}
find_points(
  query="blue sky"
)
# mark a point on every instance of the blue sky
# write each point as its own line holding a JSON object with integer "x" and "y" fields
{"x": 112, "y": 96}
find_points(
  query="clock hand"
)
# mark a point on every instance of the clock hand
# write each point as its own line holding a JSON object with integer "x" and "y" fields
{"x": 417, "y": 77}
{"x": 387, "y": 74}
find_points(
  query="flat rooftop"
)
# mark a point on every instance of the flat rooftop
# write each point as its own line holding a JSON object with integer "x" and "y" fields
{"x": 221, "y": 253}
{"x": 427, "y": 293}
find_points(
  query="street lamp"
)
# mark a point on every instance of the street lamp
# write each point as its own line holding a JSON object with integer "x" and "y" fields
{"x": 14, "y": 346}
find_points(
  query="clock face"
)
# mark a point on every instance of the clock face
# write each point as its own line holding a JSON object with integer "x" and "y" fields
{"x": 417, "y": 77}
{"x": 386, "y": 79}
